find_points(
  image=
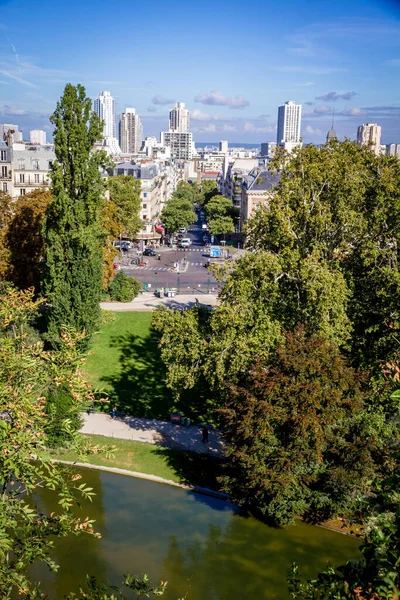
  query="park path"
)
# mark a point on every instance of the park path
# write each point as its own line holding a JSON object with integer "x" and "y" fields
{"x": 148, "y": 302}
{"x": 153, "y": 431}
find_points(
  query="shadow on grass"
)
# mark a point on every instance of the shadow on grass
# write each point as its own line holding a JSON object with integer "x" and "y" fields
{"x": 139, "y": 387}
{"x": 193, "y": 468}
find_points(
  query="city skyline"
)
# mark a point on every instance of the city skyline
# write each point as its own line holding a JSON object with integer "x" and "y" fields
{"x": 321, "y": 57}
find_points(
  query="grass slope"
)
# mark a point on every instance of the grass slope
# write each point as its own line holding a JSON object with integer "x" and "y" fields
{"x": 176, "y": 465}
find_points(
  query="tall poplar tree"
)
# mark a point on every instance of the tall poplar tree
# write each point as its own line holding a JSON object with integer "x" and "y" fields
{"x": 72, "y": 226}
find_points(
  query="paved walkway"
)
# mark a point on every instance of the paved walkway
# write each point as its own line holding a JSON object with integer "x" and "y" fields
{"x": 148, "y": 302}
{"x": 152, "y": 431}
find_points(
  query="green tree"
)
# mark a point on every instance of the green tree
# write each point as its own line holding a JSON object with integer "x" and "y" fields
{"x": 178, "y": 212}
{"x": 125, "y": 194}
{"x": 218, "y": 206}
{"x": 208, "y": 190}
{"x": 5, "y": 217}
{"x": 221, "y": 225}
{"x": 298, "y": 441}
{"x": 124, "y": 288}
{"x": 24, "y": 240}
{"x": 27, "y": 372}
{"x": 72, "y": 225}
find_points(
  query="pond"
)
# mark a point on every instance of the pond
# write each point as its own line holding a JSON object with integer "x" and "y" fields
{"x": 202, "y": 546}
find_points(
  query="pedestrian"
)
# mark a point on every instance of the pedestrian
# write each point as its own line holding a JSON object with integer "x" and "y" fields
{"x": 205, "y": 434}
{"x": 159, "y": 256}
{"x": 114, "y": 411}
{"x": 197, "y": 301}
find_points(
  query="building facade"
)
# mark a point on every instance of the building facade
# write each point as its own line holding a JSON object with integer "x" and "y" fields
{"x": 289, "y": 125}
{"x": 257, "y": 190}
{"x": 130, "y": 132}
{"x": 10, "y": 133}
{"x": 24, "y": 167}
{"x": 181, "y": 144}
{"x": 268, "y": 149}
{"x": 105, "y": 109}
{"x": 179, "y": 118}
{"x": 370, "y": 134}
{"x": 37, "y": 136}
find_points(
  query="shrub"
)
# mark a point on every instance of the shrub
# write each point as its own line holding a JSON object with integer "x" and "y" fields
{"x": 107, "y": 316}
{"x": 66, "y": 417}
{"x": 124, "y": 288}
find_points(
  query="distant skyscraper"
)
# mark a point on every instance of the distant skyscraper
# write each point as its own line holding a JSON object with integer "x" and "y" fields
{"x": 179, "y": 118}
{"x": 130, "y": 131}
{"x": 223, "y": 146}
{"x": 104, "y": 107}
{"x": 370, "y": 133}
{"x": 393, "y": 149}
{"x": 37, "y": 136}
{"x": 289, "y": 125}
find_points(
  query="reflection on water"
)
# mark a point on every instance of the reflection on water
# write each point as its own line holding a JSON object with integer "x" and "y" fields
{"x": 202, "y": 546}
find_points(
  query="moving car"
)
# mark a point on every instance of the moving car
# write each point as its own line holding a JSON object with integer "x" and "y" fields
{"x": 149, "y": 252}
{"x": 204, "y": 226}
{"x": 182, "y": 230}
{"x": 184, "y": 243}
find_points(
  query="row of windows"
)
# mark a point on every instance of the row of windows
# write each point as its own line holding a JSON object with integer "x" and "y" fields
{"x": 36, "y": 178}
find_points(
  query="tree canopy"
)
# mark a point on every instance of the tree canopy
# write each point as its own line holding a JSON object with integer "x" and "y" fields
{"x": 72, "y": 225}
{"x": 178, "y": 211}
{"x": 125, "y": 194}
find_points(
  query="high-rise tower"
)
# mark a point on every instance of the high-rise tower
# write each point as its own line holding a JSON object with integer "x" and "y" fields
{"x": 289, "y": 125}
{"x": 130, "y": 131}
{"x": 104, "y": 107}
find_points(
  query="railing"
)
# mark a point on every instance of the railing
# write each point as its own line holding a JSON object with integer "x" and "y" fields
{"x": 5, "y": 177}
{"x": 30, "y": 181}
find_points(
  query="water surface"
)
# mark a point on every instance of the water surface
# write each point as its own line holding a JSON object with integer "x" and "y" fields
{"x": 202, "y": 546}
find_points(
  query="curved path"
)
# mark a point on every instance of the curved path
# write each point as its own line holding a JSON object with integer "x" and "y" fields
{"x": 153, "y": 431}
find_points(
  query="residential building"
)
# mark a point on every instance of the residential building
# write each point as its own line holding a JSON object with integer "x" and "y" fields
{"x": 289, "y": 125}
{"x": 232, "y": 176}
{"x": 393, "y": 149}
{"x": 37, "y": 136}
{"x": 179, "y": 118}
{"x": 12, "y": 131}
{"x": 181, "y": 144}
{"x": 257, "y": 189}
{"x": 158, "y": 182}
{"x": 268, "y": 149}
{"x": 30, "y": 167}
{"x": 5, "y": 167}
{"x": 223, "y": 146}
{"x": 370, "y": 134}
{"x": 130, "y": 132}
{"x": 105, "y": 109}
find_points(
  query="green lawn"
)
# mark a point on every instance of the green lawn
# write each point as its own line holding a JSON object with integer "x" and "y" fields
{"x": 176, "y": 465}
{"x": 124, "y": 361}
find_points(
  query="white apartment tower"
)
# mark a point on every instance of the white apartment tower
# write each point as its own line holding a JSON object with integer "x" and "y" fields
{"x": 289, "y": 125}
{"x": 179, "y": 118}
{"x": 104, "y": 108}
{"x": 130, "y": 131}
{"x": 370, "y": 133}
{"x": 37, "y": 136}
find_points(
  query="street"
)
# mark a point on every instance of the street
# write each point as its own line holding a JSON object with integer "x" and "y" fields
{"x": 192, "y": 276}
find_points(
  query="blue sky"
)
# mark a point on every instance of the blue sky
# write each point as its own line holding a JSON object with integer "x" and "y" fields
{"x": 231, "y": 62}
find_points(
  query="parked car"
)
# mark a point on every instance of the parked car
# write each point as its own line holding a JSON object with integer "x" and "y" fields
{"x": 184, "y": 243}
{"x": 149, "y": 252}
{"x": 204, "y": 226}
{"x": 182, "y": 230}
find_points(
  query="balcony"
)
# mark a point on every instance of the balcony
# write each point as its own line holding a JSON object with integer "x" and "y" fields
{"x": 30, "y": 181}
{"x": 5, "y": 177}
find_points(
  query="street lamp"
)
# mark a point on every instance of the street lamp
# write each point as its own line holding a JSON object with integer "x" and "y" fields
{"x": 155, "y": 280}
{"x": 178, "y": 282}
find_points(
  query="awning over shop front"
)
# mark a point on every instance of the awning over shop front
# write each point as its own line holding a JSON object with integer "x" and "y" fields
{"x": 147, "y": 236}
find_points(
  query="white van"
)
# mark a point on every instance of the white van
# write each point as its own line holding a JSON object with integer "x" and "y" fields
{"x": 185, "y": 242}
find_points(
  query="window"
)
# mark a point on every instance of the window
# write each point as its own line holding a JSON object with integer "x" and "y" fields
{"x": 21, "y": 163}
{"x": 3, "y": 154}
{"x": 144, "y": 194}
{"x": 50, "y": 164}
{"x": 144, "y": 205}
{"x": 22, "y": 192}
{"x": 144, "y": 217}
{"x": 35, "y": 164}
{"x": 5, "y": 187}
{"x": 22, "y": 178}
{"x": 4, "y": 171}
{"x": 37, "y": 178}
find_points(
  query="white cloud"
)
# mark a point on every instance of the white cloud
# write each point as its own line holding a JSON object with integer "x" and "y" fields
{"x": 216, "y": 98}
{"x": 198, "y": 115}
{"x": 313, "y": 131}
{"x": 322, "y": 110}
{"x": 211, "y": 127}
{"x": 332, "y": 96}
{"x": 228, "y": 127}
{"x": 353, "y": 112}
{"x": 158, "y": 99}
